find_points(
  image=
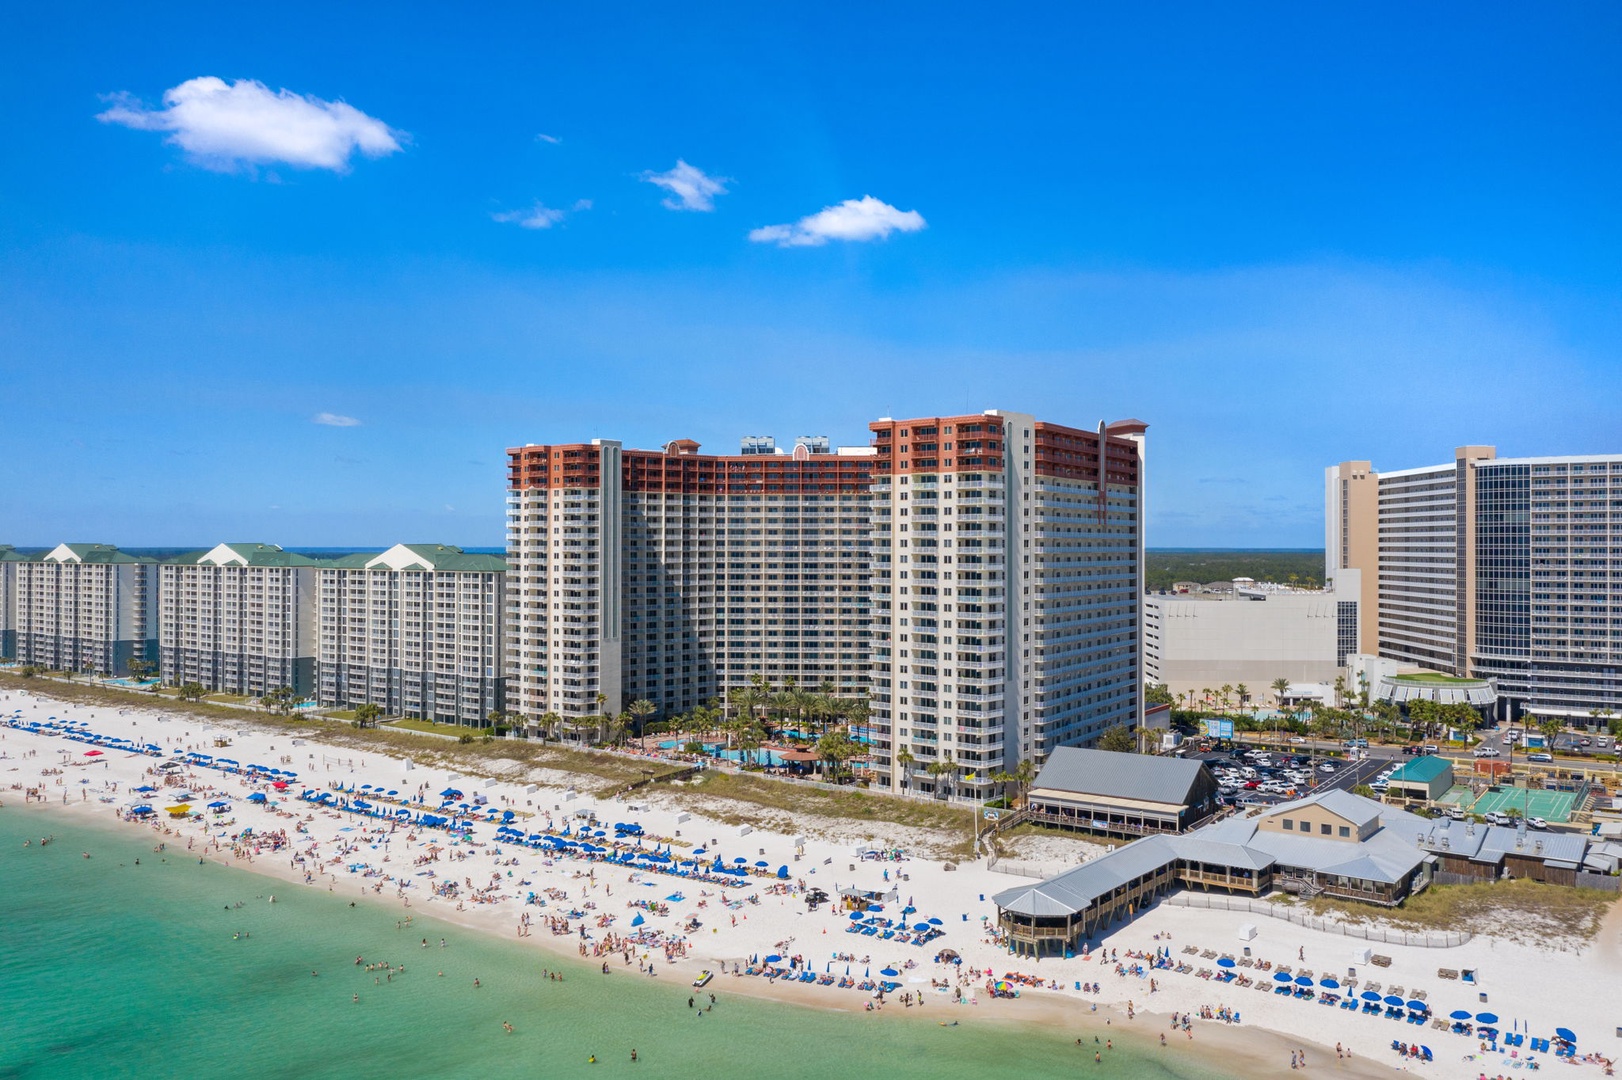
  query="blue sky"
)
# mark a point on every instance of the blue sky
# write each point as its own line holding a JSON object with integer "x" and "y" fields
{"x": 1282, "y": 235}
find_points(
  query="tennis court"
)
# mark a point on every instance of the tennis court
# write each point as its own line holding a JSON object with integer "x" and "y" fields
{"x": 1533, "y": 802}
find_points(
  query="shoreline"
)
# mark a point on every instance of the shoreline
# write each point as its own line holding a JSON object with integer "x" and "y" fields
{"x": 1243, "y": 1049}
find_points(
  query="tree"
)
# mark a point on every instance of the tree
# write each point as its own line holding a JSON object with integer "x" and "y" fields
{"x": 904, "y": 760}
{"x": 1158, "y": 694}
{"x": 835, "y": 748}
{"x": 550, "y": 722}
{"x": 1244, "y": 694}
{"x": 367, "y": 714}
{"x": 944, "y": 771}
{"x": 140, "y": 668}
{"x": 1225, "y": 693}
{"x": 640, "y": 710}
{"x": 280, "y": 700}
{"x": 495, "y": 717}
{"x": 750, "y": 736}
{"x": 1119, "y": 739}
{"x": 1551, "y": 727}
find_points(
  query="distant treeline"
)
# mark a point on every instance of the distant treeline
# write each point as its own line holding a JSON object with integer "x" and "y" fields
{"x": 1163, "y": 568}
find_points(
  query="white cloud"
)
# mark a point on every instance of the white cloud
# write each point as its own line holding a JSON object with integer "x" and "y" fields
{"x": 581, "y": 204}
{"x": 689, "y": 187}
{"x": 866, "y": 218}
{"x": 334, "y": 420}
{"x": 222, "y": 125}
{"x": 545, "y": 138}
{"x": 538, "y": 216}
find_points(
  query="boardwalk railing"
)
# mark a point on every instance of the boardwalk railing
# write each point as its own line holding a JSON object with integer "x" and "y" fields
{"x": 1429, "y": 939}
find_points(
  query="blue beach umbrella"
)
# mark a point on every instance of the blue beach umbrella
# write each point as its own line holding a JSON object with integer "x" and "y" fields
{"x": 1566, "y": 1034}
{"x": 1459, "y": 1014}
{"x": 1486, "y": 1018}
{"x": 855, "y": 916}
{"x": 774, "y": 959}
{"x": 1280, "y": 977}
{"x": 889, "y": 972}
{"x": 1304, "y": 981}
{"x": 258, "y": 796}
{"x": 1369, "y": 995}
{"x": 934, "y": 922}
{"x": 638, "y": 921}
{"x": 1329, "y": 984}
{"x": 1225, "y": 962}
{"x": 1418, "y": 1006}
{"x": 1393, "y": 999}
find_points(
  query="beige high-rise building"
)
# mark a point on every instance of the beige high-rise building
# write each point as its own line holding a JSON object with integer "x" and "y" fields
{"x": 415, "y": 630}
{"x": 87, "y": 607}
{"x": 239, "y": 619}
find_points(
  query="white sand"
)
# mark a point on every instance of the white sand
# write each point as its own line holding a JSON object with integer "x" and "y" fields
{"x": 1539, "y": 987}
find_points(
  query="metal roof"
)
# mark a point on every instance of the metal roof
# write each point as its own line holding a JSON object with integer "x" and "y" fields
{"x": 1075, "y": 890}
{"x": 1422, "y": 770}
{"x": 1123, "y": 776}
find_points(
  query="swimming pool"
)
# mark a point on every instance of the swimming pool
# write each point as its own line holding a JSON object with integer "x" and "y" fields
{"x": 127, "y": 681}
{"x": 756, "y": 757}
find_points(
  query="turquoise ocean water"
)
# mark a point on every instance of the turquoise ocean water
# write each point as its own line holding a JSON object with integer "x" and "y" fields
{"x": 109, "y": 969}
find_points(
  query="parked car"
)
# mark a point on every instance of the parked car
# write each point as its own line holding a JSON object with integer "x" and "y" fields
{"x": 1328, "y": 766}
{"x": 1536, "y": 823}
{"x": 1456, "y": 813}
{"x": 1297, "y": 739}
{"x": 1357, "y": 744}
{"x": 1495, "y": 818}
{"x": 1539, "y": 757}
{"x": 1430, "y": 748}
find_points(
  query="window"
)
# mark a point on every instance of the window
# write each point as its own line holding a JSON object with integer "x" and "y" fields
{"x": 1289, "y": 825}
{"x": 1325, "y": 829}
{"x": 1345, "y": 831}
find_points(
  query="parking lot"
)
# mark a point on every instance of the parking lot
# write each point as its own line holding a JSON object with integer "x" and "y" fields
{"x": 1251, "y": 777}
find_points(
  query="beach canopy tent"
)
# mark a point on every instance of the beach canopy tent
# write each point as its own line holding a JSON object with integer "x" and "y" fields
{"x": 258, "y": 796}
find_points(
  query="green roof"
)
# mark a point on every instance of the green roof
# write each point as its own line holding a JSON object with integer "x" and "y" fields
{"x": 446, "y": 557}
{"x": 357, "y": 561}
{"x": 1422, "y": 770}
{"x": 100, "y": 554}
{"x": 1432, "y": 678}
{"x": 251, "y": 555}
{"x": 10, "y": 554}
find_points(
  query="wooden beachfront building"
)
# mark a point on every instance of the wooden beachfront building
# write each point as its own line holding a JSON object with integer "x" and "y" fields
{"x": 1125, "y": 795}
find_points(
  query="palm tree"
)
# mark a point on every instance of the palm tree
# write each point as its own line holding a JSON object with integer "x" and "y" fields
{"x": 749, "y": 739}
{"x": 1244, "y": 694}
{"x": 944, "y": 771}
{"x": 550, "y": 722}
{"x": 640, "y": 710}
{"x": 904, "y": 760}
{"x": 1226, "y": 692}
{"x": 1024, "y": 775}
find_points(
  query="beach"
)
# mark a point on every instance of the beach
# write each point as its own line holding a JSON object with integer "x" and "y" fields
{"x": 570, "y": 909}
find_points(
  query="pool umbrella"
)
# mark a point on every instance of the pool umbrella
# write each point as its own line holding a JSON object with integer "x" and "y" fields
{"x": 1304, "y": 981}
{"x": 890, "y": 972}
{"x": 1459, "y": 1014}
{"x": 1486, "y": 1018}
{"x": 1393, "y": 999}
{"x": 1327, "y": 984}
{"x": 1280, "y": 977}
{"x": 1369, "y": 995}
{"x": 1226, "y": 961}
{"x": 1566, "y": 1034}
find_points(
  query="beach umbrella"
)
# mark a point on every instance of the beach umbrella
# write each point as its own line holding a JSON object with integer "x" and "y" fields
{"x": 774, "y": 959}
{"x": 1369, "y": 995}
{"x": 762, "y": 863}
{"x": 1566, "y": 1034}
{"x": 740, "y": 860}
{"x": 638, "y": 921}
{"x": 855, "y": 916}
{"x": 146, "y": 787}
{"x": 920, "y": 926}
{"x": 1486, "y": 1018}
{"x": 934, "y": 922}
{"x": 280, "y": 785}
{"x": 1327, "y": 984}
{"x": 1459, "y": 1014}
{"x": 1226, "y": 961}
{"x": 1418, "y": 1006}
{"x": 92, "y": 753}
{"x": 1304, "y": 981}
{"x": 1280, "y": 977}
{"x": 217, "y": 804}
{"x": 782, "y": 873}
{"x": 890, "y": 972}
{"x": 1392, "y": 999}
{"x": 258, "y": 796}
